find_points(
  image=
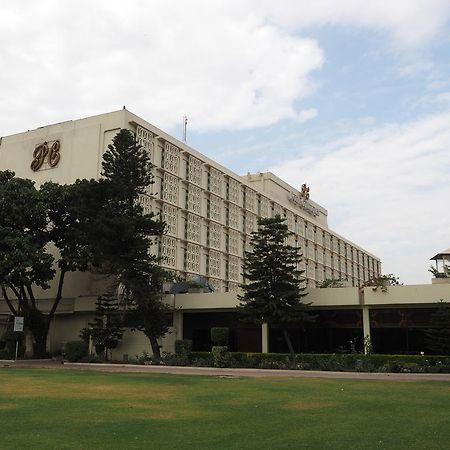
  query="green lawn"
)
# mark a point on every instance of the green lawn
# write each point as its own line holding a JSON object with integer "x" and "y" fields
{"x": 61, "y": 409}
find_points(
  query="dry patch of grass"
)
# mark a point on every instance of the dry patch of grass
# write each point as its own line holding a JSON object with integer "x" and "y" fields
{"x": 28, "y": 387}
{"x": 140, "y": 410}
{"x": 142, "y": 401}
{"x": 113, "y": 412}
{"x": 310, "y": 404}
{"x": 7, "y": 406}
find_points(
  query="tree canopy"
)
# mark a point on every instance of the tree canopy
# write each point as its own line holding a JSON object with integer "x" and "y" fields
{"x": 272, "y": 282}
{"x": 127, "y": 170}
{"x": 93, "y": 225}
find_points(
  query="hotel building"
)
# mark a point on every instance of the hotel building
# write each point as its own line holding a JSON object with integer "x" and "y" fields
{"x": 210, "y": 211}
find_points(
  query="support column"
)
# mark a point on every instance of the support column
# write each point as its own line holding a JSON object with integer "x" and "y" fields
{"x": 265, "y": 338}
{"x": 366, "y": 330}
{"x": 178, "y": 324}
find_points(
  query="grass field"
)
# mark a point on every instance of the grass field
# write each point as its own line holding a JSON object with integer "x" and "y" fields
{"x": 61, "y": 409}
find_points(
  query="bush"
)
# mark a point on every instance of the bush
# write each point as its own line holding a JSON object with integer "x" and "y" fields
{"x": 203, "y": 362}
{"x": 238, "y": 359}
{"x": 338, "y": 362}
{"x": 76, "y": 350}
{"x": 40, "y": 351}
{"x": 9, "y": 340}
{"x": 99, "y": 349}
{"x": 349, "y": 362}
{"x": 219, "y": 336}
{"x": 200, "y": 355}
{"x": 183, "y": 347}
{"x": 220, "y": 355}
{"x": 146, "y": 359}
{"x": 4, "y": 354}
{"x": 11, "y": 335}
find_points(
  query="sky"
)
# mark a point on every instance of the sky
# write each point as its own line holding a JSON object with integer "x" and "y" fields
{"x": 350, "y": 97}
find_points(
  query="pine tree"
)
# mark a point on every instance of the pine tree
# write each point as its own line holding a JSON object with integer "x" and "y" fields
{"x": 437, "y": 337}
{"x": 105, "y": 330}
{"x": 130, "y": 234}
{"x": 126, "y": 165}
{"x": 272, "y": 289}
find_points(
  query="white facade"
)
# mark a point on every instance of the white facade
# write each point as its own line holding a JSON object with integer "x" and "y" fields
{"x": 209, "y": 210}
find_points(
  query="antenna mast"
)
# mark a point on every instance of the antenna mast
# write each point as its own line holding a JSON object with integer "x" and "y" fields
{"x": 185, "y": 121}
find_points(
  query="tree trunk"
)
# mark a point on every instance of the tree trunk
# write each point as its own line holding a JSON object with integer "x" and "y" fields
{"x": 39, "y": 329}
{"x": 8, "y": 302}
{"x": 288, "y": 341}
{"x": 155, "y": 346}
{"x": 38, "y": 324}
{"x": 40, "y": 346}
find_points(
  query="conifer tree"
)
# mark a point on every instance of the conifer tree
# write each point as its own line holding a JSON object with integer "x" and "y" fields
{"x": 127, "y": 168}
{"x": 95, "y": 226}
{"x": 272, "y": 289}
{"x": 105, "y": 330}
{"x": 437, "y": 337}
{"x": 127, "y": 174}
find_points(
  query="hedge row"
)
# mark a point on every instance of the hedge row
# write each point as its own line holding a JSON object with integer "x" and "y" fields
{"x": 330, "y": 362}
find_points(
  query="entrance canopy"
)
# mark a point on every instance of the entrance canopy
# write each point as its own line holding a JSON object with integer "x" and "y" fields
{"x": 444, "y": 255}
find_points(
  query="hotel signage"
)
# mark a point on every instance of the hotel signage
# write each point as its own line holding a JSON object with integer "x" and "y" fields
{"x": 302, "y": 200}
{"x": 46, "y": 153}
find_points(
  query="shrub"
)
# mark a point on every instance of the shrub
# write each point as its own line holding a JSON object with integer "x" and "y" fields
{"x": 99, "y": 349}
{"x": 270, "y": 363}
{"x": 201, "y": 359}
{"x": 4, "y": 354}
{"x": 76, "y": 350}
{"x": 147, "y": 359}
{"x": 170, "y": 359}
{"x": 357, "y": 362}
{"x": 40, "y": 351}
{"x": 220, "y": 355}
{"x": 219, "y": 336}
{"x": 10, "y": 335}
{"x": 10, "y": 338}
{"x": 339, "y": 362}
{"x": 183, "y": 347}
{"x": 200, "y": 355}
{"x": 238, "y": 359}
{"x": 411, "y": 367}
{"x": 203, "y": 362}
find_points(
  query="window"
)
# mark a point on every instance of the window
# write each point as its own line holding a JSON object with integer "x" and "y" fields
{"x": 194, "y": 170}
{"x": 171, "y": 158}
{"x": 170, "y": 216}
{"x": 170, "y": 188}
{"x": 168, "y": 251}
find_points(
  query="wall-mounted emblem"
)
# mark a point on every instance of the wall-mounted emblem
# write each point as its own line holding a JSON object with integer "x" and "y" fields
{"x": 46, "y": 153}
{"x": 304, "y": 192}
{"x": 302, "y": 200}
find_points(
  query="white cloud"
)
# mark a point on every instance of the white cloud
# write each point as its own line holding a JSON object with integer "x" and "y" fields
{"x": 411, "y": 23}
{"x": 225, "y": 64}
{"x": 223, "y": 67}
{"x": 387, "y": 190}
{"x": 306, "y": 114}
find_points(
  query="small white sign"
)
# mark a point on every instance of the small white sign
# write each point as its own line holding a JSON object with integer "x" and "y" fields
{"x": 18, "y": 323}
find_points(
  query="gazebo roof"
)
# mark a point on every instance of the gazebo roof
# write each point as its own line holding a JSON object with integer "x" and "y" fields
{"x": 441, "y": 255}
